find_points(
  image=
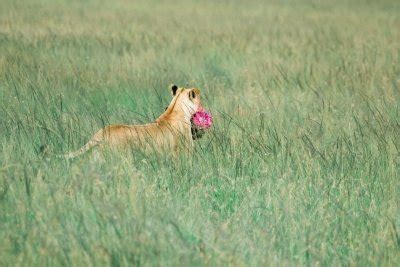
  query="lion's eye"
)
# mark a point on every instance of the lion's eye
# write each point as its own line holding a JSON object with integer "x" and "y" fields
{"x": 193, "y": 94}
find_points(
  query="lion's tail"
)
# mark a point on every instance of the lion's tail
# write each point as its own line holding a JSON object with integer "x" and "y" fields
{"x": 89, "y": 145}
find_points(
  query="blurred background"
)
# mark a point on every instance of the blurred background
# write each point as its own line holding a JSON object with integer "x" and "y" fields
{"x": 301, "y": 166}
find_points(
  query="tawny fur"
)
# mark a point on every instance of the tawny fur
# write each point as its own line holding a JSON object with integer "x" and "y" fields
{"x": 171, "y": 131}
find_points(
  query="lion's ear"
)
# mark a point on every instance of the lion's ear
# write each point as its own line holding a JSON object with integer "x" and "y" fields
{"x": 174, "y": 89}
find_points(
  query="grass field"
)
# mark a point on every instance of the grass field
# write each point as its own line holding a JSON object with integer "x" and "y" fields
{"x": 300, "y": 168}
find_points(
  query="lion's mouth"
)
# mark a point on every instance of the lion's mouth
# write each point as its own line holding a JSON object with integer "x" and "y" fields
{"x": 200, "y": 122}
{"x": 196, "y": 132}
{"x": 202, "y": 119}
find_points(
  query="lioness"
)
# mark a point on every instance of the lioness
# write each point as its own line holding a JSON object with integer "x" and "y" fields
{"x": 170, "y": 131}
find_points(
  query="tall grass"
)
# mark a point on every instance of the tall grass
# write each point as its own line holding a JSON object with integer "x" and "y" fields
{"x": 300, "y": 168}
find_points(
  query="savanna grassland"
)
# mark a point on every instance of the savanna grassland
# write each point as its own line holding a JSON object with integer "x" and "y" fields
{"x": 300, "y": 168}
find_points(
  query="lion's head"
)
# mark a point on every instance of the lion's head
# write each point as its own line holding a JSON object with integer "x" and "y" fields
{"x": 187, "y": 100}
